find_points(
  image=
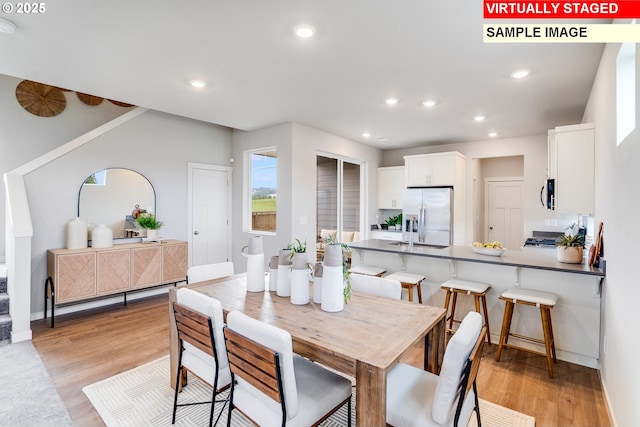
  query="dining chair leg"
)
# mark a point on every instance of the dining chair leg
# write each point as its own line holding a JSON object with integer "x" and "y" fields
{"x": 486, "y": 317}
{"x": 545, "y": 315}
{"x": 453, "y": 310}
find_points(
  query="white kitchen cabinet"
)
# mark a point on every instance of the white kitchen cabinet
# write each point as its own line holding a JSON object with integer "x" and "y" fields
{"x": 572, "y": 165}
{"x": 390, "y": 187}
{"x": 433, "y": 170}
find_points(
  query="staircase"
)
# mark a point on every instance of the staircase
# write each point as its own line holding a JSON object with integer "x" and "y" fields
{"x": 5, "y": 319}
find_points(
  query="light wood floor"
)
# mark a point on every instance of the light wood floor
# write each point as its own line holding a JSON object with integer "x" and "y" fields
{"x": 87, "y": 347}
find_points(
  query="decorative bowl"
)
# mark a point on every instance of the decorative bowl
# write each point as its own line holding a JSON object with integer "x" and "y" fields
{"x": 488, "y": 251}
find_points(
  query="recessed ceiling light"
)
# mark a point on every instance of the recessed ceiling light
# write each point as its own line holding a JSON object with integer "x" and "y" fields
{"x": 391, "y": 101}
{"x": 366, "y": 135}
{"x": 7, "y": 26}
{"x": 198, "y": 84}
{"x": 493, "y": 134}
{"x": 304, "y": 31}
{"x": 429, "y": 103}
{"x": 520, "y": 74}
{"x": 479, "y": 118}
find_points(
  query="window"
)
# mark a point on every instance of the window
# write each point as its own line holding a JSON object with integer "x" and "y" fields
{"x": 262, "y": 189}
{"x": 625, "y": 91}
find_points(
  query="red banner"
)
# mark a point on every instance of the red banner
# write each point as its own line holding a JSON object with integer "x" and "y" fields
{"x": 518, "y": 9}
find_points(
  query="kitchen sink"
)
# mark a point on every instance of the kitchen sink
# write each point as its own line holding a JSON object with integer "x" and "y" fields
{"x": 422, "y": 245}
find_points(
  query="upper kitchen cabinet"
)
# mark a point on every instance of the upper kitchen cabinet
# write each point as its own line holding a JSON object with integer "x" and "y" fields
{"x": 571, "y": 151}
{"x": 434, "y": 170}
{"x": 390, "y": 187}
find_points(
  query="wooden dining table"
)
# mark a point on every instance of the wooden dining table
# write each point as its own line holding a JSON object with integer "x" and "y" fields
{"x": 365, "y": 340}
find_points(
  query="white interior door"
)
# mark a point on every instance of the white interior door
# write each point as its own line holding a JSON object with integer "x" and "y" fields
{"x": 210, "y": 225}
{"x": 503, "y": 214}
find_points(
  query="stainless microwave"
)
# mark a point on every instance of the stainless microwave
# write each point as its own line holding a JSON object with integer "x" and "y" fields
{"x": 548, "y": 194}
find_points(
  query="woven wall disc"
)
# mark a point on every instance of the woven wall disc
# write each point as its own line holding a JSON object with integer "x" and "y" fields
{"x": 120, "y": 104}
{"x": 40, "y": 99}
{"x": 89, "y": 99}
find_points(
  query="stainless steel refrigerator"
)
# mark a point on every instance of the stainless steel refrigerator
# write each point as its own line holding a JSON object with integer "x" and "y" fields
{"x": 431, "y": 210}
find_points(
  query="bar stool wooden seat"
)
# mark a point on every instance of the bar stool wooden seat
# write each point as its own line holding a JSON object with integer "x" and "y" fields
{"x": 545, "y": 301}
{"x": 479, "y": 291}
{"x": 367, "y": 270}
{"x": 408, "y": 282}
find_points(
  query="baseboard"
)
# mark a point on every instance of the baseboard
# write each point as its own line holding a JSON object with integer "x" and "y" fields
{"x": 607, "y": 401}
{"x": 22, "y": 336}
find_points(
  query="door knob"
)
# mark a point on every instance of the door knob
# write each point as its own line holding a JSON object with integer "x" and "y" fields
{"x": 490, "y": 228}
{"x": 196, "y": 232}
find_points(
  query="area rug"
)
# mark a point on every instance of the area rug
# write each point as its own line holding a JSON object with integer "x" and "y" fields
{"x": 143, "y": 397}
{"x": 29, "y": 397}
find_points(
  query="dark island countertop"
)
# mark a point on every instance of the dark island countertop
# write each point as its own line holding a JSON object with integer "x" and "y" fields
{"x": 536, "y": 258}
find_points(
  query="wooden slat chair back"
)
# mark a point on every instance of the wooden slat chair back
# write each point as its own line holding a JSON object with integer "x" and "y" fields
{"x": 255, "y": 363}
{"x": 196, "y": 329}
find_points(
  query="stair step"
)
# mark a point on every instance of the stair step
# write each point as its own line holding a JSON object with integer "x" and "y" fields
{"x": 5, "y": 327}
{"x": 4, "y": 303}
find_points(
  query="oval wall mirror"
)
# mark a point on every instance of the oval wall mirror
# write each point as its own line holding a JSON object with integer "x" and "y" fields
{"x": 109, "y": 197}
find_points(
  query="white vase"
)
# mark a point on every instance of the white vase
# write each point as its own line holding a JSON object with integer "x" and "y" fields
{"x": 255, "y": 264}
{"x": 284, "y": 273}
{"x": 101, "y": 237}
{"x": 317, "y": 283}
{"x": 300, "y": 279}
{"x": 152, "y": 233}
{"x": 273, "y": 274}
{"x": 332, "y": 279}
{"x": 76, "y": 234}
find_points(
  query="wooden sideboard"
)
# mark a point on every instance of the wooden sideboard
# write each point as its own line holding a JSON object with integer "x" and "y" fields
{"x": 76, "y": 275}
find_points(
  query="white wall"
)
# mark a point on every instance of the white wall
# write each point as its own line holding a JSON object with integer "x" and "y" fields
{"x": 24, "y": 136}
{"x": 155, "y": 144}
{"x": 617, "y": 204}
{"x": 534, "y": 150}
{"x": 296, "y": 182}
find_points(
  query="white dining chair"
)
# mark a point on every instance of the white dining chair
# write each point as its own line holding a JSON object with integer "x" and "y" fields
{"x": 272, "y": 386}
{"x": 199, "y": 273}
{"x": 374, "y": 285}
{"x": 199, "y": 323}
{"x": 419, "y": 398}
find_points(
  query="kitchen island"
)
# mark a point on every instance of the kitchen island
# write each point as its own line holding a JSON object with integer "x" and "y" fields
{"x": 576, "y": 317}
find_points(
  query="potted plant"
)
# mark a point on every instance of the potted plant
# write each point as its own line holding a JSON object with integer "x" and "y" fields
{"x": 299, "y": 273}
{"x": 149, "y": 222}
{"x": 570, "y": 246}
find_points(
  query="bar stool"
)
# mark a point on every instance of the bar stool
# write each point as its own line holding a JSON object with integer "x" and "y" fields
{"x": 408, "y": 281}
{"x": 367, "y": 270}
{"x": 479, "y": 291}
{"x": 546, "y": 301}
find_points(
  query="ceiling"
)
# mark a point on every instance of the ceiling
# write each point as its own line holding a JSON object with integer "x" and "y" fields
{"x": 259, "y": 74}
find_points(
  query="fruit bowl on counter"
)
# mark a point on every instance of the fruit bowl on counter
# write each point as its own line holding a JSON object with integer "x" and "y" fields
{"x": 489, "y": 248}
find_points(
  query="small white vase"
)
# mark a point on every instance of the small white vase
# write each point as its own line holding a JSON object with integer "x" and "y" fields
{"x": 152, "y": 233}
{"x": 300, "y": 279}
{"x": 101, "y": 237}
{"x": 76, "y": 234}
{"x": 284, "y": 273}
{"x": 273, "y": 274}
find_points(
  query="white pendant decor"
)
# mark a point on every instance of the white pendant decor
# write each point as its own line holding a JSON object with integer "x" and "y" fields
{"x": 77, "y": 234}
{"x": 317, "y": 283}
{"x": 273, "y": 273}
{"x": 255, "y": 264}
{"x": 332, "y": 279}
{"x": 101, "y": 237}
{"x": 284, "y": 273}
{"x": 300, "y": 279}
